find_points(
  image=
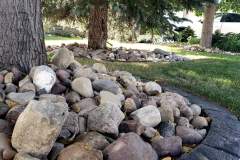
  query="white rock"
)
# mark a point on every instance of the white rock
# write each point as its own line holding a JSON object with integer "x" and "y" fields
{"x": 38, "y": 127}
{"x": 148, "y": 116}
{"x": 99, "y": 67}
{"x": 196, "y": 109}
{"x": 43, "y": 77}
{"x": 83, "y": 86}
{"x": 108, "y": 98}
{"x": 63, "y": 58}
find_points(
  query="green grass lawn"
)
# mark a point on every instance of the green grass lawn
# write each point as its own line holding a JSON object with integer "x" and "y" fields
{"x": 217, "y": 77}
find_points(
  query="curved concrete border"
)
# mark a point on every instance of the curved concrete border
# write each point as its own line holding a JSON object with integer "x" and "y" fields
{"x": 223, "y": 139}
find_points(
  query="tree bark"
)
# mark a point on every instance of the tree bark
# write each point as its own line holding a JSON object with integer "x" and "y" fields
{"x": 21, "y": 34}
{"x": 98, "y": 31}
{"x": 207, "y": 30}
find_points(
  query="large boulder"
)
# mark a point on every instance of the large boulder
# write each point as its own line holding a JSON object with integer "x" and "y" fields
{"x": 106, "y": 85}
{"x": 38, "y": 127}
{"x": 63, "y": 58}
{"x": 43, "y": 77}
{"x": 148, "y": 116}
{"x": 169, "y": 146}
{"x": 80, "y": 151}
{"x": 83, "y": 86}
{"x": 21, "y": 98}
{"x": 105, "y": 119}
{"x": 130, "y": 147}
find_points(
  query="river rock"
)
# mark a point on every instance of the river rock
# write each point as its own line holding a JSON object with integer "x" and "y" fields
{"x": 14, "y": 113}
{"x": 43, "y": 77}
{"x": 182, "y": 121}
{"x": 56, "y": 149}
{"x": 169, "y": 146}
{"x": 38, "y": 126}
{"x": 8, "y": 78}
{"x": 79, "y": 151}
{"x": 188, "y": 135}
{"x": 58, "y": 88}
{"x": 21, "y": 98}
{"x": 130, "y": 147}
{"x": 152, "y": 88}
{"x": 99, "y": 67}
{"x": 94, "y": 139}
{"x": 5, "y": 127}
{"x": 150, "y": 132}
{"x": 106, "y": 85}
{"x": 27, "y": 87}
{"x": 83, "y": 86}
{"x": 3, "y": 110}
{"x": 10, "y": 88}
{"x": 166, "y": 114}
{"x": 108, "y": 98}
{"x": 85, "y": 72}
{"x": 148, "y": 116}
{"x": 129, "y": 105}
{"x": 199, "y": 122}
{"x": 63, "y": 58}
{"x": 196, "y": 109}
{"x": 72, "y": 97}
{"x": 1, "y": 78}
{"x": 167, "y": 129}
{"x": 63, "y": 75}
{"x": 105, "y": 119}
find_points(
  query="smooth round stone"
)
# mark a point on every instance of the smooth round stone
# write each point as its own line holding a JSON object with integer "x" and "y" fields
{"x": 83, "y": 86}
{"x": 188, "y": 135}
{"x": 152, "y": 88}
{"x": 199, "y": 122}
{"x": 129, "y": 105}
{"x": 72, "y": 97}
{"x": 99, "y": 67}
{"x": 182, "y": 121}
{"x": 167, "y": 129}
{"x": 196, "y": 109}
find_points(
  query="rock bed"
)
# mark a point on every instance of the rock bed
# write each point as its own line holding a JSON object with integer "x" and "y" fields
{"x": 67, "y": 111}
{"x": 122, "y": 54}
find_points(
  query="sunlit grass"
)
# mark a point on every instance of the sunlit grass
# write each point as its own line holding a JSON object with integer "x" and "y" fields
{"x": 217, "y": 77}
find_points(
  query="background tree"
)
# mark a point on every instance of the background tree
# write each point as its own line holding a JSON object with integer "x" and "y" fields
{"x": 21, "y": 34}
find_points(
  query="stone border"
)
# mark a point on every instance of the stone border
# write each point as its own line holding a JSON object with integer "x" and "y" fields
{"x": 223, "y": 139}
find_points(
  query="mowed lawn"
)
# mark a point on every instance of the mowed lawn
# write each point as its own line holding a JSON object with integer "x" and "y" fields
{"x": 216, "y": 77}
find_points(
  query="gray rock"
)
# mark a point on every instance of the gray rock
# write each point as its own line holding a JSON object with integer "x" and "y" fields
{"x": 5, "y": 127}
{"x": 79, "y": 151}
{"x": 202, "y": 132}
{"x": 196, "y": 109}
{"x": 26, "y": 87}
{"x": 167, "y": 129}
{"x": 63, "y": 58}
{"x": 24, "y": 156}
{"x": 21, "y": 98}
{"x": 148, "y": 116}
{"x": 43, "y": 77}
{"x": 94, "y": 139}
{"x": 56, "y": 149}
{"x": 188, "y": 135}
{"x": 63, "y": 75}
{"x": 199, "y": 122}
{"x": 152, "y": 88}
{"x": 186, "y": 112}
{"x": 170, "y": 146}
{"x": 83, "y": 86}
{"x": 1, "y": 78}
{"x": 3, "y": 110}
{"x": 38, "y": 126}
{"x": 130, "y": 147}
{"x": 53, "y": 98}
{"x": 58, "y": 88}
{"x": 2, "y": 95}
{"x": 106, "y": 85}
{"x": 70, "y": 128}
{"x": 182, "y": 121}
{"x": 85, "y": 72}
{"x": 99, "y": 67}
{"x": 73, "y": 97}
{"x": 108, "y": 98}
{"x": 10, "y": 88}
{"x": 84, "y": 106}
{"x": 105, "y": 119}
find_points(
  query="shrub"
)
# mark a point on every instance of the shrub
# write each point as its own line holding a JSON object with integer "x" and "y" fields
{"x": 65, "y": 31}
{"x": 193, "y": 40}
{"x": 228, "y": 42}
{"x": 184, "y": 34}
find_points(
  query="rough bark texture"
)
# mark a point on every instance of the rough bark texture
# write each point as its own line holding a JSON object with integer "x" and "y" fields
{"x": 21, "y": 34}
{"x": 98, "y": 31}
{"x": 209, "y": 12}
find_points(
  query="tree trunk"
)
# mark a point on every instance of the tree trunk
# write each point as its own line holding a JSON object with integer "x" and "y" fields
{"x": 207, "y": 30}
{"x": 21, "y": 34}
{"x": 98, "y": 31}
